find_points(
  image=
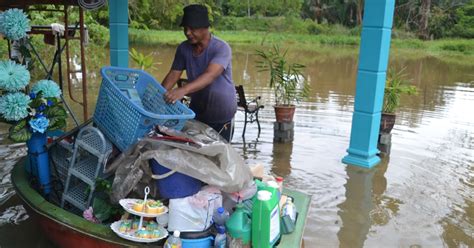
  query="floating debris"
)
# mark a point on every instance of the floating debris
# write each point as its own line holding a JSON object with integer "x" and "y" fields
{"x": 9, "y": 156}
{"x": 13, "y": 215}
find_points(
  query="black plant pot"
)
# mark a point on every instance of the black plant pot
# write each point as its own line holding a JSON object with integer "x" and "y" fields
{"x": 387, "y": 122}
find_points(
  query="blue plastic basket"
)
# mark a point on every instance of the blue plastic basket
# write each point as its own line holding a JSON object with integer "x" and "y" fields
{"x": 198, "y": 243}
{"x": 130, "y": 103}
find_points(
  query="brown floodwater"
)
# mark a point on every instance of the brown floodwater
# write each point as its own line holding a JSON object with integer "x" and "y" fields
{"x": 421, "y": 195}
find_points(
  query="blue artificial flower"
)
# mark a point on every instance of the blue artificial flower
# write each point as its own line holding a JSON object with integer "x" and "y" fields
{"x": 39, "y": 125}
{"x": 41, "y": 107}
{"x": 14, "y": 106}
{"x": 48, "y": 87}
{"x": 32, "y": 95}
{"x": 13, "y": 77}
{"x": 49, "y": 103}
{"x": 38, "y": 115}
{"x": 14, "y": 24}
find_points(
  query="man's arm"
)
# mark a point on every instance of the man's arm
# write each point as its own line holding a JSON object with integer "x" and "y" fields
{"x": 171, "y": 78}
{"x": 205, "y": 79}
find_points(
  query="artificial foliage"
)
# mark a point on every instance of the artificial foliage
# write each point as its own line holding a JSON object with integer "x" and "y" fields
{"x": 14, "y": 106}
{"x": 13, "y": 77}
{"x": 48, "y": 87}
{"x": 14, "y": 24}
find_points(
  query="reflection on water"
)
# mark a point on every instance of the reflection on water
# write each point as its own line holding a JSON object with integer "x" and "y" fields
{"x": 365, "y": 204}
{"x": 419, "y": 196}
{"x": 281, "y": 163}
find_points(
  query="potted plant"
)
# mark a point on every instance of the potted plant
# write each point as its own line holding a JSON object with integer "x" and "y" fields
{"x": 286, "y": 80}
{"x": 395, "y": 86}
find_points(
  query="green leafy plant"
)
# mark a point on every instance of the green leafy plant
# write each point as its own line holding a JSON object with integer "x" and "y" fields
{"x": 145, "y": 62}
{"x": 286, "y": 79}
{"x": 395, "y": 86}
{"x": 102, "y": 208}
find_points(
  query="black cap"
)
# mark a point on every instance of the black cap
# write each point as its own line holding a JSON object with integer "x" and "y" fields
{"x": 195, "y": 16}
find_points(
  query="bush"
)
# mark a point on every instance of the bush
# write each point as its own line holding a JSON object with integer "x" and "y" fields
{"x": 314, "y": 28}
{"x": 402, "y": 34}
{"x": 339, "y": 29}
{"x": 228, "y": 23}
{"x": 98, "y": 34}
{"x": 339, "y": 40}
{"x": 355, "y": 31}
{"x": 462, "y": 46}
{"x": 289, "y": 24}
{"x": 465, "y": 22}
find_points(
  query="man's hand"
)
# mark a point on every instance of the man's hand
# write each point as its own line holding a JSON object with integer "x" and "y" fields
{"x": 174, "y": 95}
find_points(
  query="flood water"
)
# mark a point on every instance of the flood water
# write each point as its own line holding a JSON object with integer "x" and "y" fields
{"x": 421, "y": 195}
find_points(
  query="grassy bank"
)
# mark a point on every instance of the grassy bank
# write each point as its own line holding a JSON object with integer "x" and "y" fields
{"x": 449, "y": 49}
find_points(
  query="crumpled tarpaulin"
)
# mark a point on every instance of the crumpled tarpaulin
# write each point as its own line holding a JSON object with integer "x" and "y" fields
{"x": 206, "y": 157}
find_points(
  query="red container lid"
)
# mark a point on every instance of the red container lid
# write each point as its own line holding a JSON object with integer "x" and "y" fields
{"x": 279, "y": 179}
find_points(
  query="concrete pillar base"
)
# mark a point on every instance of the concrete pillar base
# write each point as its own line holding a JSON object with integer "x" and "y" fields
{"x": 283, "y": 132}
{"x": 385, "y": 143}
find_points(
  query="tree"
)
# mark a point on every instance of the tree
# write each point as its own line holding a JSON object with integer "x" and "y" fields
{"x": 464, "y": 26}
{"x": 425, "y": 9}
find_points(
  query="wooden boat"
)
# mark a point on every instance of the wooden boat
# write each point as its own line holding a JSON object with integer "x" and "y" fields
{"x": 66, "y": 229}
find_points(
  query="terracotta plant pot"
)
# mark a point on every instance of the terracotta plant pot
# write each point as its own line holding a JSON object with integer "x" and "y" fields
{"x": 387, "y": 122}
{"x": 284, "y": 113}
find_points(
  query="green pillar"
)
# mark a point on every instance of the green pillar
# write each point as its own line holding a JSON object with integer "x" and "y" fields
{"x": 118, "y": 23}
{"x": 370, "y": 85}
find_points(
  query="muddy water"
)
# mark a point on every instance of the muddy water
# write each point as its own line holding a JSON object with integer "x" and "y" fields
{"x": 419, "y": 196}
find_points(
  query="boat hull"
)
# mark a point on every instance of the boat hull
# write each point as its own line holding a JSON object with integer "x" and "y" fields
{"x": 69, "y": 230}
{"x": 62, "y": 228}
{"x": 63, "y": 236}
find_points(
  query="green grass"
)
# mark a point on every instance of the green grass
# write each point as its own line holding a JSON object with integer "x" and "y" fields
{"x": 459, "y": 51}
{"x": 155, "y": 37}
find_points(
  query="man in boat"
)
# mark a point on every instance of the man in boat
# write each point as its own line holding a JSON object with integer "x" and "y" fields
{"x": 207, "y": 61}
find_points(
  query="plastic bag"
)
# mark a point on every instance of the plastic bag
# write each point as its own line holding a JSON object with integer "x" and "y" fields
{"x": 194, "y": 213}
{"x": 200, "y": 153}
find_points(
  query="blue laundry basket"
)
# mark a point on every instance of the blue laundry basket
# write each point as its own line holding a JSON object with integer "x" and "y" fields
{"x": 176, "y": 185}
{"x": 198, "y": 243}
{"x": 130, "y": 103}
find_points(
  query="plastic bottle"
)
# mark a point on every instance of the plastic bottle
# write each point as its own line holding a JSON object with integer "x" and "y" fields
{"x": 265, "y": 220}
{"x": 289, "y": 209}
{"x": 220, "y": 216}
{"x": 239, "y": 228}
{"x": 173, "y": 241}
{"x": 279, "y": 181}
{"x": 275, "y": 188}
{"x": 221, "y": 239}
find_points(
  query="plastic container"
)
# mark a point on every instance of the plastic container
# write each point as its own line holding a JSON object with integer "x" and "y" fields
{"x": 264, "y": 186}
{"x": 130, "y": 103}
{"x": 279, "y": 181}
{"x": 221, "y": 239}
{"x": 173, "y": 241}
{"x": 38, "y": 161}
{"x": 265, "y": 220}
{"x": 289, "y": 209}
{"x": 239, "y": 227}
{"x": 175, "y": 185}
{"x": 275, "y": 188}
{"x": 198, "y": 243}
{"x": 220, "y": 216}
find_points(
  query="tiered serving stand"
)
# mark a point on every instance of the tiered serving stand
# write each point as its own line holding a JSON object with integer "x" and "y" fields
{"x": 127, "y": 204}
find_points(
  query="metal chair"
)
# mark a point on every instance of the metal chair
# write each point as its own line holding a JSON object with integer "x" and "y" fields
{"x": 250, "y": 108}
